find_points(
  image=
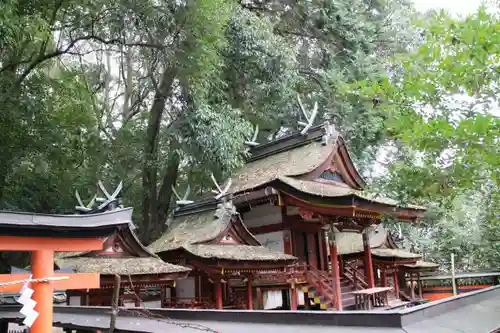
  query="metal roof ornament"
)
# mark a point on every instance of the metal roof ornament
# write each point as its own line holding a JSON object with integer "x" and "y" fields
{"x": 310, "y": 118}
{"x": 220, "y": 192}
{"x": 84, "y": 208}
{"x": 253, "y": 142}
{"x": 182, "y": 201}
{"x": 111, "y": 199}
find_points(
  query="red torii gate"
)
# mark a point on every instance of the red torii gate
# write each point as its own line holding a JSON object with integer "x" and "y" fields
{"x": 60, "y": 233}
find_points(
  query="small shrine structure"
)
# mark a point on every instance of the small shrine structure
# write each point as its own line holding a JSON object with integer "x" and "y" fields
{"x": 122, "y": 254}
{"x": 209, "y": 237}
{"x": 394, "y": 267}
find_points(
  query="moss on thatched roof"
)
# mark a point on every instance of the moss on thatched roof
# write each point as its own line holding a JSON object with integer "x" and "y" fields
{"x": 293, "y": 162}
{"x": 120, "y": 266}
{"x": 189, "y": 232}
{"x": 395, "y": 254}
{"x": 422, "y": 265}
{"x": 192, "y": 229}
{"x": 238, "y": 252}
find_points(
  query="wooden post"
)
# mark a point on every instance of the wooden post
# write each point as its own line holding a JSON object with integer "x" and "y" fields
{"x": 42, "y": 266}
{"x": 287, "y": 233}
{"x": 260, "y": 299}
{"x": 137, "y": 299}
{"x": 307, "y": 301}
{"x": 453, "y": 279}
{"x": 396, "y": 282}
{"x": 383, "y": 277}
{"x": 163, "y": 296}
{"x": 334, "y": 258}
{"x": 115, "y": 303}
{"x": 321, "y": 249}
{"x": 293, "y": 296}
{"x": 368, "y": 260}
{"x": 312, "y": 259}
{"x": 249, "y": 294}
{"x": 173, "y": 295}
{"x": 218, "y": 294}
{"x": 412, "y": 286}
{"x": 341, "y": 266}
{"x": 419, "y": 285}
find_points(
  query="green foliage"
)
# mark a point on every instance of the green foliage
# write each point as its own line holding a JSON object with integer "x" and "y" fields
{"x": 443, "y": 111}
{"x": 161, "y": 93}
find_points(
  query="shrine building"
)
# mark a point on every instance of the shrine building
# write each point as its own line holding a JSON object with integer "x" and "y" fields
{"x": 298, "y": 197}
{"x": 123, "y": 255}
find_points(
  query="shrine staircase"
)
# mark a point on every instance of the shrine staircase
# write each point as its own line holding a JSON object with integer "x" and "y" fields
{"x": 321, "y": 293}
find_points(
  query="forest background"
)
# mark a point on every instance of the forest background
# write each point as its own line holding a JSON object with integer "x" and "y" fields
{"x": 161, "y": 93}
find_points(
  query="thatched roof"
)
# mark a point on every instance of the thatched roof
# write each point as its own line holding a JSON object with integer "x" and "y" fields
{"x": 120, "y": 266}
{"x": 331, "y": 191}
{"x": 422, "y": 265}
{"x": 138, "y": 261}
{"x": 238, "y": 252}
{"x": 193, "y": 229}
{"x": 293, "y": 162}
{"x": 189, "y": 232}
{"x": 352, "y": 242}
{"x": 395, "y": 254}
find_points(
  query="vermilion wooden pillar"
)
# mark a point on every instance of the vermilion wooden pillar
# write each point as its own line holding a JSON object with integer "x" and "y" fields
{"x": 383, "y": 277}
{"x": 368, "y": 260}
{"x": 218, "y": 294}
{"x": 396, "y": 282}
{"x": 293, "y": 296}
{"x": 419, "y": 285}
{"x": 249, "y": 294}
{"x": 334, "y": 258}
{"x": 42, "y": 265}
{"x": 312, "y": 259}
{"x": 260, "y": 299}
{"x": 137, "y": 299}
{"x": 287, "y": 233}
{"x": 412, "y": 286}
{"x": 322, "y": 250}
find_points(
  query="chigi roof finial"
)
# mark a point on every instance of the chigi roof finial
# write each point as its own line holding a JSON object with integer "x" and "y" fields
{"x": 310, "y": 118}
{"x": 182, "y": 201}
{"x": 108, "y": 202}
{"x": 253, "y": 141}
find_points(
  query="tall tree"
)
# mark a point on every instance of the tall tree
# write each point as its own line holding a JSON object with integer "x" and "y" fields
{"x": 444, "y": 118}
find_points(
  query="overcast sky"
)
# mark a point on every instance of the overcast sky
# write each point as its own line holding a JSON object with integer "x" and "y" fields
{"x": 460, "y": 7}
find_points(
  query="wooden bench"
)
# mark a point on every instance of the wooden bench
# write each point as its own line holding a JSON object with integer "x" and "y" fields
{"x": 366, "y": 299}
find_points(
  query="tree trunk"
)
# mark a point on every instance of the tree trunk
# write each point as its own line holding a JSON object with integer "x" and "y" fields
{"x": 150, "y": 168}
{"x": 165, "y": 193}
